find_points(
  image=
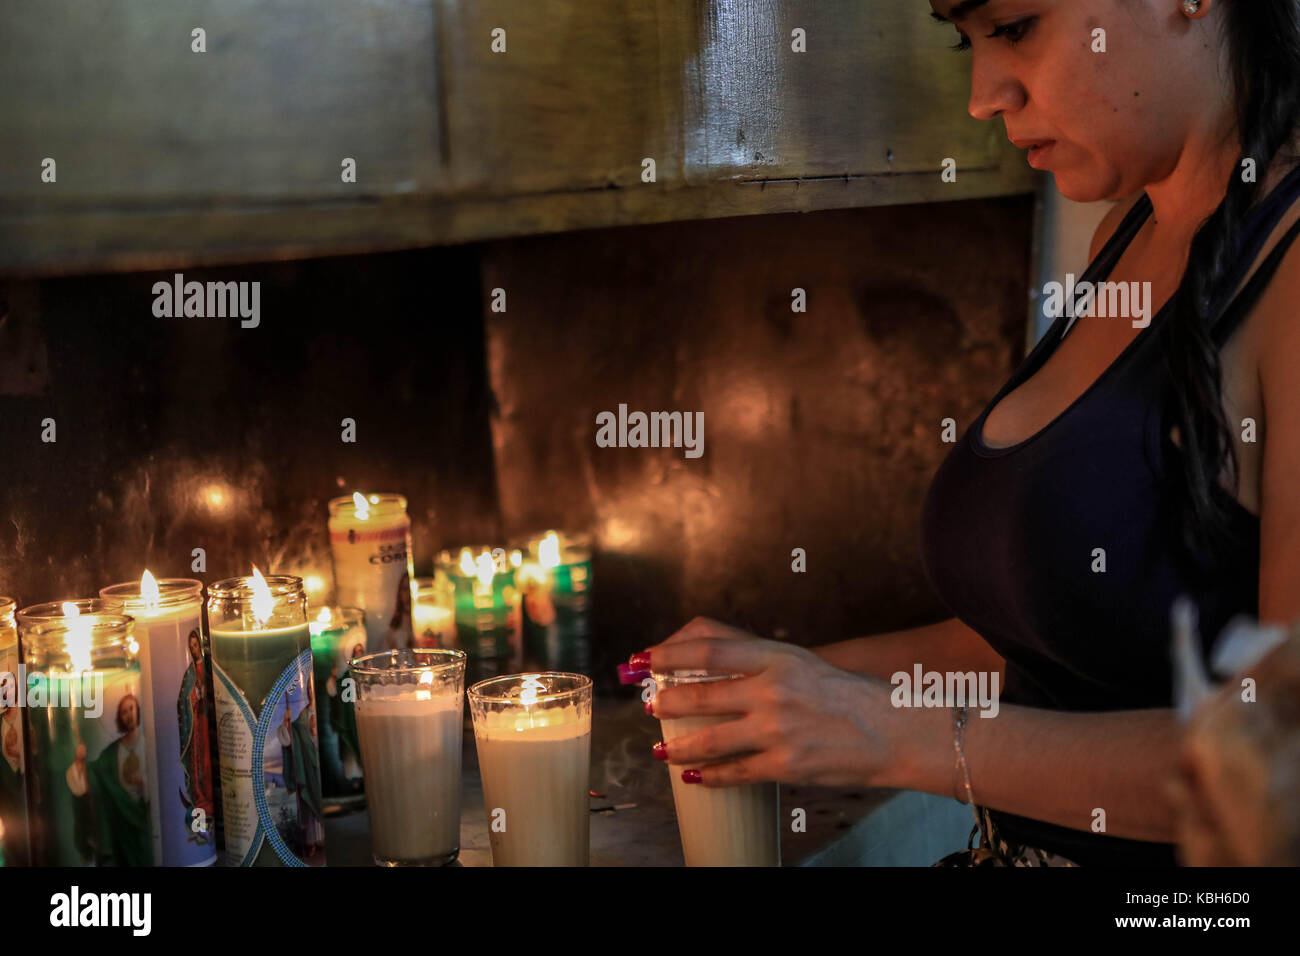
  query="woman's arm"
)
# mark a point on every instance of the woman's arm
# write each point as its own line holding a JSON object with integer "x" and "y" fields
{"x": 1050, "y": 765}
{"x": 804, "y": 720}
{"x": 946, "y": 646}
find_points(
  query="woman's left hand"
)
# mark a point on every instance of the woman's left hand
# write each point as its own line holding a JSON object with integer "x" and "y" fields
{"x": 800, "y": 719}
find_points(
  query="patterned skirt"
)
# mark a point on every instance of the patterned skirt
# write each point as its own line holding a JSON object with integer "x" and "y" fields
{"x": 996, "y": 850}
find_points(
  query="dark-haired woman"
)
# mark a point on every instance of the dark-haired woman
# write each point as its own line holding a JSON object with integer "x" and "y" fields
{"x": 1119, "y": 467}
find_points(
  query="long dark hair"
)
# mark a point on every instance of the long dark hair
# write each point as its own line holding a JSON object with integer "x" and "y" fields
{"x": 1263, "y": 38}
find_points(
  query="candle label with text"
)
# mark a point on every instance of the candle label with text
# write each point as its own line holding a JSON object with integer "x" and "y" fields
{"x": 270, "y": 769}
{"x": 90, "y": 775}
{"x": 13, "y": 794}
{"x": 177, "y": 695}
{"x": 372, "y": 570}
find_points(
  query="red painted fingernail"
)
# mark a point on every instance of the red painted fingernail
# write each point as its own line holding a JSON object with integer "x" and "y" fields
{"x": 650, "y": 707}
{"x": 659, "y": 750}
{"x": 639, "y": 662}
{"x": 627, "y": 674}
{"x": 690, "y": 776}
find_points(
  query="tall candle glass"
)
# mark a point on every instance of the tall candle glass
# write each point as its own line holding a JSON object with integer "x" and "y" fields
{"x": 338, "y": 634}
{"x": 266, "y": 718}
{"x": 433, "y": 612}
{"x": 485, "y": 607}
{"x": 720, "y": 826}
{"x": 370, "y": 539}
{"x": 410, "y": 712}
{"x": 533, "y": 733}
{"x": 176, "y": 693}
{"x": 90, "y": 760}
{"x": 13, "y": 788}
{"x": 554, "y": 580}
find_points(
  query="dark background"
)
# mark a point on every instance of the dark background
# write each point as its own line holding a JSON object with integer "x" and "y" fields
{"x": 821, "y": 429}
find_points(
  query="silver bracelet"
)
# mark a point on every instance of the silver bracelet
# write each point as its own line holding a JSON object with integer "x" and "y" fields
{"x": 959, "y": 715}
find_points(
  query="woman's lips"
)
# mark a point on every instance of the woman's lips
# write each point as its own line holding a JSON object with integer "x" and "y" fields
{"x": 1039, "y": 150}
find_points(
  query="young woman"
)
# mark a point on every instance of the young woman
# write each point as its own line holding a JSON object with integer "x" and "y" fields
{"x": 1119, "y": 467}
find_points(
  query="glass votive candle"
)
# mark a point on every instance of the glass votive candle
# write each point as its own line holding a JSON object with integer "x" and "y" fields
{"x": 338, "y": 634}
{"x": 177, "y": 696}
{"x": 13, "y": 761}
{"x": 533, "y": 733}
{"x": 410, "y": 706}
{"x": 719, "y": 826}
{"x": 433, "y": 611}
{"x": 90, "y": 756}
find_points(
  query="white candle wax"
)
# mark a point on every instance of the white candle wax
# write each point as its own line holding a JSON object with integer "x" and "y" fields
{"x": 411, "y": 749}
{"x": 535, "y": 765}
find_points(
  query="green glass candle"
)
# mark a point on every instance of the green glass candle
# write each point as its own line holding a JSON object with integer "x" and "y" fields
{"x": 338, "y": 634}
{"x": 486, "y": 608}
{"x": 554, "y": 580}
{"x": 265, "y": 692}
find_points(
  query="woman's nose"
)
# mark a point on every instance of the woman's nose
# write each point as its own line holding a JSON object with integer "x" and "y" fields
{"x": 993, "y": 90}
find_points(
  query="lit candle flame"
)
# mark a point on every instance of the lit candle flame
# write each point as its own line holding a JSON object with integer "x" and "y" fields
{"x": 466, "y": 562}
{"x": 528, "y": 690}
{"x": 548, "y": 551}
{"x": 486, "y": 569}
{"x": 77, "y": 639}
{"x": 324, "y": 615}
{"x": 263, "y": 603}
{"x": 362, "y": 506}
{"x": 426, "y": 678}
{"x": 149, "y": 592}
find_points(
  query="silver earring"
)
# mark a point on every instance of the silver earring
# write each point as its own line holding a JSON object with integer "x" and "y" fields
{"x": 1191, "y": 7}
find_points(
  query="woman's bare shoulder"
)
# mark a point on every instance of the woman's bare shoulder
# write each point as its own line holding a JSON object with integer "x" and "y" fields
{"x": 1110, "y": 222}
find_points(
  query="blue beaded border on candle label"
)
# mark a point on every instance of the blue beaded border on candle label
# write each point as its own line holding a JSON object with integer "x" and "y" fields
{"x": 265, "y": 825}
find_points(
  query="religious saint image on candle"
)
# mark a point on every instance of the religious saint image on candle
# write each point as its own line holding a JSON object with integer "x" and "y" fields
{"x": 197, "y": 726}
{"x": 343, "y": 713}
{"x": 107, "y": 780}
{"x": 291, "y": 768}
{"x": 13, "y": 802}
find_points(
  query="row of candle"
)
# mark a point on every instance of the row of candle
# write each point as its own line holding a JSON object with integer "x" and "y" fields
{"x": 268, "y": 663}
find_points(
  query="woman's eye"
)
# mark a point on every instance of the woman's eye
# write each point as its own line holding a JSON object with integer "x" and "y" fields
{"x": 1014, "y": 32}
{"x": 962, "y": 44}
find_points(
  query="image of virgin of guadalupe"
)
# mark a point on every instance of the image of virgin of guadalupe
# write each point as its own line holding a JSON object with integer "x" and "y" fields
{"x": 194, "y": 714}
{"x": 112, "y": 809}
{"x": 300, "y": 761}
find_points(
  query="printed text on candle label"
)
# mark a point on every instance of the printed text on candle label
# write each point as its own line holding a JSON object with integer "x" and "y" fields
{"x": 654, "y": 430}
{"x": 74, "y": 909}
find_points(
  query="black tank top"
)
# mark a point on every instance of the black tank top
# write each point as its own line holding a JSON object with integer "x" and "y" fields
{"x": 1009, "y": 535}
